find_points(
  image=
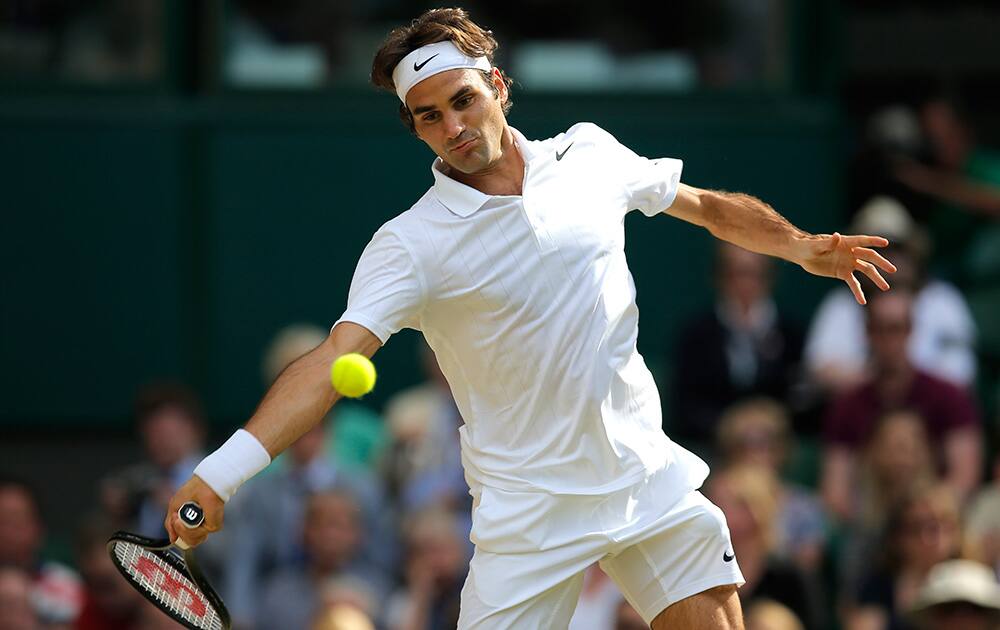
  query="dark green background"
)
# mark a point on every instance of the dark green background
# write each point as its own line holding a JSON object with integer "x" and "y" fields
{"x": 150, "y": 236}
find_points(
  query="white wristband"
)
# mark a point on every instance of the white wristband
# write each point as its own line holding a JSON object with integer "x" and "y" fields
{"x": 225, "y": 470}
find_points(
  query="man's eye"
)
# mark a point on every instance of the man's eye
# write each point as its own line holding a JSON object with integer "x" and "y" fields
{"x": 430, "y": 117}
{"x": 465, "y": 100}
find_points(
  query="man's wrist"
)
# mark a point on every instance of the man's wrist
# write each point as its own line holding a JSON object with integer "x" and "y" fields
{"x": 236, "y": 461}
{"x": 800, "y": 248}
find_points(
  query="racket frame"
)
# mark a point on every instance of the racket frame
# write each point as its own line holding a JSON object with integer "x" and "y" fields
{"x": 186, "y": 566}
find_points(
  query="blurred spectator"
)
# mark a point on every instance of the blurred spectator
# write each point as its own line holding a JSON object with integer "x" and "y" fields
{"x": 950, "y": 415}
{"x": 270, "y": 506}
{"x": 890, "y": 134}
{"x": 299, "y": 43}
{"x": 99, "y": 42}
{"x": 110, "y": 602}
{"x": 171, "y": 425}
{"x": 742, "y": 347}
{"x": 964, "y": 176}
{"x": 626, "y": 618}
{"x": 942, "y": 340}
{"x": 346, "y": 592}
{"x": 896, "y": 458}
{"x": 922, "y": 530}
{"x": 56, "y": 591}
{"x": 423, "y": 467}
{"x": 437, "y": 560}
{"x": 982, "y": 527}
{"x": 331, "y": 535}
{"x": 598, "y": 603}
{"x": 16, "y": 609}
{"x": 358, "y": 437}
{"x": 757, "y": 432}
{"x": 342, "y": 617}
{"x": 273, "y": 503}
{"x": 747, "y": 495}
{"x": 115, "y": 40}
{"x": 958, "y": 595}
{"x": 765, "y": 614}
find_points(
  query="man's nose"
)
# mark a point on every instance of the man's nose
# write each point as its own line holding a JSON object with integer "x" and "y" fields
{"x": 453, "y": 125}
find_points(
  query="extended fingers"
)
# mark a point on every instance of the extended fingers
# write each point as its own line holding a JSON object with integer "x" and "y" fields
{"x": 866, "y": 241}
{"x": 855, "y": 286}
{"x": 873, "y": 256}
{"x": 869, "y": 270}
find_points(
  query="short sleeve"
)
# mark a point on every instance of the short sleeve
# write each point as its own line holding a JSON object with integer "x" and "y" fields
{"x": 387, "y": 292}
{"x": 651, "y": 185}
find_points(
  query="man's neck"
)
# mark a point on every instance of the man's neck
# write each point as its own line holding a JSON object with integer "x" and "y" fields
{"x": 503, "y": 177}
{"x": 894, "y": 382}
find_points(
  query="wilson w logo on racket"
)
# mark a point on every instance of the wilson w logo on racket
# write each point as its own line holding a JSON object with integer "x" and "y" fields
{"x": 172, "y": 581}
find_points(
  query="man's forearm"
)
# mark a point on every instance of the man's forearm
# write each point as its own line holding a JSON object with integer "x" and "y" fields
{"x": 747, "y": 221}
{"x": 302, "y": 395}
{"x": 299, "y": 398}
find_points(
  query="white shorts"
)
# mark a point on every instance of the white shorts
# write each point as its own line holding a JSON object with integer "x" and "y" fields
{"x": 532, "y": 550}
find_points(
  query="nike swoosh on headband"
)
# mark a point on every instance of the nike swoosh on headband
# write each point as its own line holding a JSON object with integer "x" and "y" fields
{"x": 417, "y": 67}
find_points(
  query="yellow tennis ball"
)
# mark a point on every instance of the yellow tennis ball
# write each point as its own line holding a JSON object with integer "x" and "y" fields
{"x": 352, "y": 375}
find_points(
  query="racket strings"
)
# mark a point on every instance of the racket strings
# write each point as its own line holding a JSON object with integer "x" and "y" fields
{"x": 171, "y": 588}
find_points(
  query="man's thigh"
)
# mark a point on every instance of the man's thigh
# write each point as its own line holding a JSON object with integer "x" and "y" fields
{"x": 528, "y": 590}
{"x": 689, "y": 555}
{"x": 715, "y": 609}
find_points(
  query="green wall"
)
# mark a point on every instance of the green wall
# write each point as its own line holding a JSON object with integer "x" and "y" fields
{"x": 148, "y": 237}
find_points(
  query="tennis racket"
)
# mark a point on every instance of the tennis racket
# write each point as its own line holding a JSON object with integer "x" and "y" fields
{"x": 172, "y": 581}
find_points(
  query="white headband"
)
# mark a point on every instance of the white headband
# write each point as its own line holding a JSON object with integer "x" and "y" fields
{"x": 430, "y": 60}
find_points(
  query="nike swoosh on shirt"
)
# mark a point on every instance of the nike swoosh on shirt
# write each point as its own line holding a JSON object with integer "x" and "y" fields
{"x": 418, "y": 66}
{"x": 728, "y": 557}
{"x": 559, "y": 156}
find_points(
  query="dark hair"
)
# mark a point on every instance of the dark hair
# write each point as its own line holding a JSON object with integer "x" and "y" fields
{"x": 155, "y": 397}
{"x": 433, "y": 26}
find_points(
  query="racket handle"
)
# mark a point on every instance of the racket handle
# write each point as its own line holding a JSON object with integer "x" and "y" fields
{"x": 191, "y": 515}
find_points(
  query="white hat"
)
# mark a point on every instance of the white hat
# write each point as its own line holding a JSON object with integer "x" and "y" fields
{"x": 884, "y": 216}
{"x": 959, "y": 581}
{"x": 887, "y": 217}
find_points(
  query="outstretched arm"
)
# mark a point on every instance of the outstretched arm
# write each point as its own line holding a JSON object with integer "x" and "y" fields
{"x": 752, "y": 224}
{"x": 299, "y": 398}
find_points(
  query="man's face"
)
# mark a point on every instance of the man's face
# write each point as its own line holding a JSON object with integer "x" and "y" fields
{"x": 457, "y": 114}
{"x": 169, "y": 436}
{"x": 889, "y": 329}
{"x": 744, "y": 277}
{"x": 331, "y": 531}
{"x": 20, "y": 527}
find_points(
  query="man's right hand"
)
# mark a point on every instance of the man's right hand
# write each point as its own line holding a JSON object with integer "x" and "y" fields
{"x": 197, "y": 491}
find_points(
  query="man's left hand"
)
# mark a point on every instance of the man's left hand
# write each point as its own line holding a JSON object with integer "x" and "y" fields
{"x": 837, "y": 256}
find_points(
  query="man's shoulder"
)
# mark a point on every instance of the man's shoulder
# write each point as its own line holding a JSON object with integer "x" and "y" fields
{"x": 933, "y": 385}
{"x": 580, "y": 132}
{"x": 406, "y": 226}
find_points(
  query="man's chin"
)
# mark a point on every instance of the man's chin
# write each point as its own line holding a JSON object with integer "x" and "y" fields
{"x": 469, "y": 164}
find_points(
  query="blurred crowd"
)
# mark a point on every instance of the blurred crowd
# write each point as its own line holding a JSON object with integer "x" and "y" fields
{"x": 854, "y": 456}
{"x": 317, "y": 43}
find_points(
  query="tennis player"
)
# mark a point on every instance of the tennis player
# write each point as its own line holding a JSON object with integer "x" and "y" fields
{"x": 513, "y": 266}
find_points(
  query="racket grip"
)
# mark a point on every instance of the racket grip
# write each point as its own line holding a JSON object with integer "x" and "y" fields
{"x": 191, "y": 515}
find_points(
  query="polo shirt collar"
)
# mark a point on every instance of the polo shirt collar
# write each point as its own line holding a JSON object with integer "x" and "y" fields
{"x": 465, "y": 200}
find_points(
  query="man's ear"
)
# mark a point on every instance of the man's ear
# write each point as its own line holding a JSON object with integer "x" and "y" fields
{"x": 500, "y": 84}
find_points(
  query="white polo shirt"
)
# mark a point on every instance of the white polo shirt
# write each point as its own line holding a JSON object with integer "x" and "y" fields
{"x": 529, "y": 306}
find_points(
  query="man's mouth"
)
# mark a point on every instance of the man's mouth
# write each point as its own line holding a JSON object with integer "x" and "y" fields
{"x": 465, "y": 145}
